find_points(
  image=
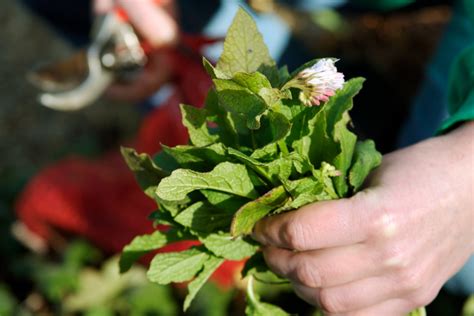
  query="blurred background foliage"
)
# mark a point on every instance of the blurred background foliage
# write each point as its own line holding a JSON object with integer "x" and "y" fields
{"x": 79, "y": 279}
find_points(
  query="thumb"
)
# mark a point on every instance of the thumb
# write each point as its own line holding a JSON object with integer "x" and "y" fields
{"x": 152, "y": 21}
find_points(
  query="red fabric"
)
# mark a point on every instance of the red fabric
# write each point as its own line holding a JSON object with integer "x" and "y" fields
{"x": 100, "y": 199}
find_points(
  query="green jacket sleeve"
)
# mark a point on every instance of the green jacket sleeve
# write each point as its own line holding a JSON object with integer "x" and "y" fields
{"x": 461, "y": 91}
{"x": 382, "y": 4}
{"x": 461, "y": 84}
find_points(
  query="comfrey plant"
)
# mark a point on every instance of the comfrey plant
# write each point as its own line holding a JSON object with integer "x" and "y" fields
{"x": 317, "y": 83}
{"x": 266, "y": 142}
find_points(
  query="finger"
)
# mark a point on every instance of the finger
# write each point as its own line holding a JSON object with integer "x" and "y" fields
{"x": 102, "y": 6}
{"x": 323, "y": 268}
{"x": 155, "y": 74}
{"x": 152, "y": 21}
{"x": 315, "y": 226}
{"x": 353, "y": 296}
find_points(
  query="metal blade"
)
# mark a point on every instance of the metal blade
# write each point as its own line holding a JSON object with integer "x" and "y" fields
{"x": 86, "y": 92}
{"x": 62, "y": 75}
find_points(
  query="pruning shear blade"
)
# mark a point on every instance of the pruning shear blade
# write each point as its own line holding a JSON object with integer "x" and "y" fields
{"x": 77, "y": 82}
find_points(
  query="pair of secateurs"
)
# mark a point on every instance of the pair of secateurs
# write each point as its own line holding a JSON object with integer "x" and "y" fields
{"x": 115, "y": 52}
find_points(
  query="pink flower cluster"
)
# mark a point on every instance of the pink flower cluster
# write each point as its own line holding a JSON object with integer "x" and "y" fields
{"x": 321, "y": 81}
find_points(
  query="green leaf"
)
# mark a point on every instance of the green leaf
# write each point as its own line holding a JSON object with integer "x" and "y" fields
{"x": 225, "y": 246}
{"x": 253, "y": 211}
{"x": 224, "y": 201}
{"x": 326, "y": 137}
{"x": 225, "y": 127}
{"x": 281, "y": 169}
{"x": 365, "y": 159}
{"x": 255, "y": 81}
{"x": 338, "y": 118}
{"x": 195, "y": 120}
{"x": 172, "y": 207}
{"x": 267, "y": 153}
{"x": 274, "y": 127}
{"x": 165, "y": 162}
{"x": 342, "y": 102}
{"x": 295, "y": 107}
{"x": 141, "y": 245}
{"x": 260, "y": 168}
{"x": 275, "y": 171}
{"x": 211, "y": 71}
{"x": 301, "y": 164}
{"x": 197, "y": 158}
{"x": 257, "y": 267}
{"x": 240, "y": 100}
{"x": 176, "y": 266}
{"x": 244, "y": 49}
{"x": 283, "y": 75}
{"x": 271, "y": 96}
{"x": 257, "y": 308}
{"x": 204, "y": 217}
{"x": 304, "y": 191}
{"x": 160, "y": 217}
{"x": 259, "y": 184}
{"x": 325, "y": 175}
{"x": 347, "y": 141}
{"x": 182, "y": 181}
{"x": 195, "y": 285}
{"x": 147, "y": 173}
{"x": 308, "y": 124}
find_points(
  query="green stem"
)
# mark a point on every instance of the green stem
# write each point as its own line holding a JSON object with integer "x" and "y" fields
{"x": 283, "y": 148}
{"x": 252, "y": 136}
{"x": 293, "y": 83}
{"x": 250, "y": 292}
{"x": 418, "y": 312}
{"x": 330, "y": 190}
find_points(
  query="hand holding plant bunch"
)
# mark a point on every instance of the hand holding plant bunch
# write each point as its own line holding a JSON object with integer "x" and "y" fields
{"x": 267, "y": 143}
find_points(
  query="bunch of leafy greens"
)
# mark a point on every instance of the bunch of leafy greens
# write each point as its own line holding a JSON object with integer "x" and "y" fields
{"x": 255, "y": 150}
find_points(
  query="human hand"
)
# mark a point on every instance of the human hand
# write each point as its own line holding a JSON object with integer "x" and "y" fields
{"x": 390, "y": 248}
{"x": 156, "y": 22}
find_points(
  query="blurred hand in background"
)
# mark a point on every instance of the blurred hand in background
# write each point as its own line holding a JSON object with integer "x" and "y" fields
{"x": 156, "y": 22}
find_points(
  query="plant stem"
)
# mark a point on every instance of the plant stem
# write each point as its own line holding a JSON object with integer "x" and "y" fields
{"x": 252, "y": 136}
{"x": 250, "y": 292}
{"x": 283, "y": 148}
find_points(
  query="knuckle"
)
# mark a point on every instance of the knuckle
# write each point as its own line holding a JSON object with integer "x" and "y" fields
{"x": 409, "y": 280}
{"x": 293, "y": 235}
{"x": 394, "y": 256}
{"x": 307, "y": 274}
{"x": 385, "y": 225}
{"x": 329, "y": 302}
